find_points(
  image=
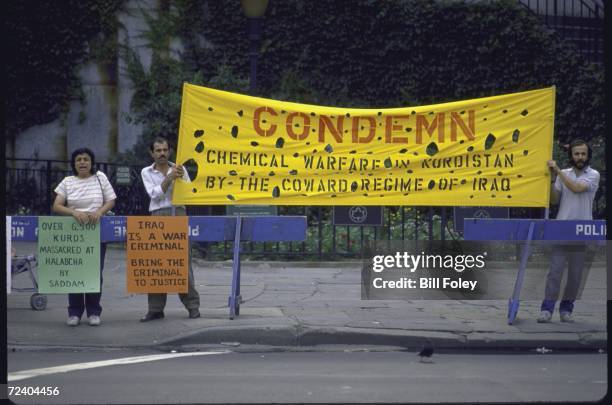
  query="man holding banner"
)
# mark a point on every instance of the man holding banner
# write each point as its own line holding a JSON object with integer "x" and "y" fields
{"x": 574, "y": 190}
{"x": 159, "y": 179}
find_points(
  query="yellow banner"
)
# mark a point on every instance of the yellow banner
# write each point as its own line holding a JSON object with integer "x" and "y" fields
{"x": 248, "y": 150}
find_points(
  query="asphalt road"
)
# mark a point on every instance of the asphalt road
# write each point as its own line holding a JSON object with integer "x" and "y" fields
{"x": 338, "y": 376}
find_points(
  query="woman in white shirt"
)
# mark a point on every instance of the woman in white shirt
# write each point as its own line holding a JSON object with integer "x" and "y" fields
{"x": 86, "y": 196}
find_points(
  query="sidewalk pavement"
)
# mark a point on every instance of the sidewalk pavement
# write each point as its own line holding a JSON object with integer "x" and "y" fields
{"x": 299, "y": 306}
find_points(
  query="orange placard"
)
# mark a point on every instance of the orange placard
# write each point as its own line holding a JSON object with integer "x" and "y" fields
{"x": 157, "y": 254}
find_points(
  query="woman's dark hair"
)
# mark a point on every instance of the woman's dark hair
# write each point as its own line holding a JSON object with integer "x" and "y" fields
{"x": 81, "y": 151}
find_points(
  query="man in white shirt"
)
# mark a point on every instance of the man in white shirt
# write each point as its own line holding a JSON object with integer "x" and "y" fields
{"x": 574, "y": 190}
{"x": 159, "y": 180}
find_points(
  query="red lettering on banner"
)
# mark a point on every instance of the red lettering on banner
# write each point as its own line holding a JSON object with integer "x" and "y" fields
{"x": 305, "y": 126}
{"x": 390, "y": 127}
{"x": 355, "y": 130}
{"x": 436, "y": 123}
{"x": 257, "y": 118}
{"x": 335, "y": 131}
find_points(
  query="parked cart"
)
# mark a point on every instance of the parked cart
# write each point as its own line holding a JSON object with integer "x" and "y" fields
{"x": 28, "y": 264}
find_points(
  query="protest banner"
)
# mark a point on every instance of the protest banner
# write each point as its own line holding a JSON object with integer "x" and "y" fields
{"x": 68, "y": 256}
{"x": 9, "y": 255}
{"x": 489, "y": 151}
{"x": 157, "y": 254}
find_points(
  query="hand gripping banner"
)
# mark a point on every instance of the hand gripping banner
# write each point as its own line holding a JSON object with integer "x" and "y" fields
{"x": 248, "y": 150}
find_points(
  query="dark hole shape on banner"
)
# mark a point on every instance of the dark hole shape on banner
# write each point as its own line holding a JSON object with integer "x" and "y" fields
{"x": 415, "y": 153}
{"x": 230, "y": 197}
{"x": 296, "y": 154}
{"x": 409, "y": 171}
{"x": 252, "y": 173}
{"x": 515, "y": 135}
{"x": 362, "y": 127}
{"x": 199, "y": 147}
{"x": 509, "y": 196}
{"x": 519, "y": 175}
{"x": 240, "y": 113}
{"x": 525, "y": 152}
{"x": 408, "y": 129}
{"x": 346, "y": 131}
{"x": 276, "y": 192}
{"x": 370, "y": 152}
{"x": 220, "y": 127}
{"x": 505, "y": 111}
{"x": 253, "y": 143}
{"x": 198, "y": 133}
{"x": 365, "y": 194}
{"x": 461, "y": 142}
{"x": 451, "y": 171}
{"x": 403, "y": 150}
{"x": 492, "y": 195}
{"x": 431, "y": 113}
{"x": 388, "y": 163}
{"x": 406, "y": 193}
{"x": 500, "y": 174}
{"x": 413, "y": 112}
{"x": 191, "y": 166}
{"x": 333, "y": 196}
{"x": 210, "y": 108}
{"x": 280, "y": 142}
{"x": 379, "y": 113}
{"x": 354, "y": 186}
{"x": 462, "y": 112}
{"x": 431, "y": 185}
{"x": 194, "y": 190}
{"x": 312, "y": 114}
{"x": 479, "y": 172}
{"x": 293, "y": 172}
{"x": 271, "y": 173}
{"x": 379, "y": 138}
{"x": 485, "y": 106}
{"x": 329, "y": 148}
{"x": 484, "y": 119}
{"x": 470, "y": 148}
{"x": 231, "y": 183}
{"x": 233, "y": 173}
{"x": 314, "y": 151}
{"x": 463, "y": 181}
{"x": 352, "y": 152}
{"x": 524, "y": 112}
{"x": 307, "y": 143}
{"x": 432, "y": 149}
{"x": 235, "y": 131}
{"x": 348, "y": 115}
{"x": 471, "y": 196}
{"x": 490, "y": 141}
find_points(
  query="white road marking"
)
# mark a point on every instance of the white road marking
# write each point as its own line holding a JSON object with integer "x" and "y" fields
{"x": 22, "y": 375}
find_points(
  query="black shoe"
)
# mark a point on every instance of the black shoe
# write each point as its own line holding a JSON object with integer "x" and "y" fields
{"x": 194, "y": 313}
{"x": 149, "y": 316}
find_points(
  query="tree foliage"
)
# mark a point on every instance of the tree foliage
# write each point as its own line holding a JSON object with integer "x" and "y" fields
{"x": 46, "y": 42}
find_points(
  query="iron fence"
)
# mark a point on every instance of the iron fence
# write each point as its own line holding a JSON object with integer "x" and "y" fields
{"x": 580, "y": 22}
{"x": 30, "y": 185}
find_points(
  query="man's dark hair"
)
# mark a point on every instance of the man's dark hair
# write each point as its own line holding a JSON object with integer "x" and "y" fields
{"x": 159, "y": 139}
{"x": 579, "y": 142}
{"x": 81, "y": 151}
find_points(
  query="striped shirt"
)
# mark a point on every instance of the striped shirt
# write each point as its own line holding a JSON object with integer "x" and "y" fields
{"x": 87, "y": 194}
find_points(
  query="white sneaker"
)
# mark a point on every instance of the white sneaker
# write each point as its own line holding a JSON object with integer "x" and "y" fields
{"x": 73, "y": 321}
{"x": 566, "y": 317}
{"x": 545, "y": 317}
{"x": 94, "y": 320}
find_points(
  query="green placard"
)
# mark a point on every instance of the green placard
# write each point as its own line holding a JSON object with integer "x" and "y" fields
{"x": 68, "y": 256}
{"x": 251, "y": 210}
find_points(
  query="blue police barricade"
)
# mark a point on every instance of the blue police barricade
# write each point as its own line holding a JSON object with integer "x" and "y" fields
{"x": 201, "y": 229}
{"x": 527, "y": 230}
